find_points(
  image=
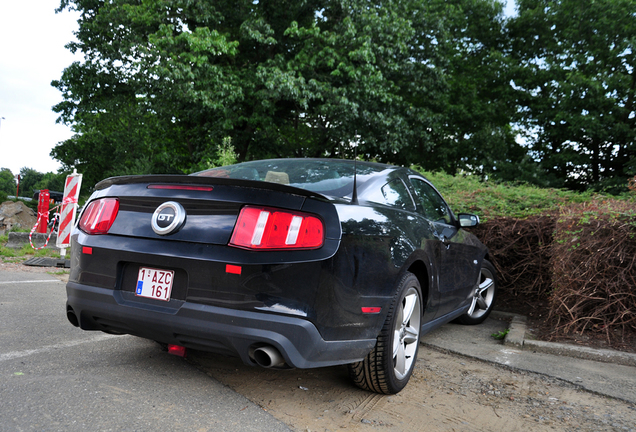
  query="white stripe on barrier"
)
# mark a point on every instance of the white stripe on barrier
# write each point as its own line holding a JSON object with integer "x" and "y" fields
{"x": 69, "y": 208}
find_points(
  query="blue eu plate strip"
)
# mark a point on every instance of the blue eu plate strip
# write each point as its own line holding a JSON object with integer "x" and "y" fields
{"x": 140, "y": 285}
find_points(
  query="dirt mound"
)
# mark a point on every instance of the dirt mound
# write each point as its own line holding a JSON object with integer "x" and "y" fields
{"x": 16, "y": 215}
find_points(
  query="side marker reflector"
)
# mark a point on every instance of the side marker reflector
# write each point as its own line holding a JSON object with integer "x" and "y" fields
{"x": 87, "y": 250}
{"x": 371, "y": 310}
{"x": 233, "y": 269}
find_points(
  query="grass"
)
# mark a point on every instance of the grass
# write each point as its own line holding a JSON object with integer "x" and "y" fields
{"x": 19, "y": 255}
{"x": 500, "y": 335}
{"x": 488, "y": 199}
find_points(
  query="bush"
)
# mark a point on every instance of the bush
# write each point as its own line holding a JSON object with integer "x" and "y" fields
{"x": 580, "y": 265}
{"x": 520, "y": 250}
{"x": 594, "y": 269}
{"x": 490, "y": 199}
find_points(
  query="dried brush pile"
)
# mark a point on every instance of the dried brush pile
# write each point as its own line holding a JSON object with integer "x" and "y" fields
{"x": 594, "y": 269}
{"x": 520, "y": 250}
{"x": 581, "y": 264}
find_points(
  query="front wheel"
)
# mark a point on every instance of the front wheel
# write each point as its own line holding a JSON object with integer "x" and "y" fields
{"x": 484, "y": 295}
{"x": 389, "y": 366}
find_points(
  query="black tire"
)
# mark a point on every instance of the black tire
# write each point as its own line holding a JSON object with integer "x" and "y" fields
{"x": 389, "y": 366}
{"x": 484, "y": 296}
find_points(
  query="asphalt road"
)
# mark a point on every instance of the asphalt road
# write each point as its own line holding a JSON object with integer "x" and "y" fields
{"x": 55, "y": 377}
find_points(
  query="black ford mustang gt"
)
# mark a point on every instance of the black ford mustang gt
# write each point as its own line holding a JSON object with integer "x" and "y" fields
{"x": 286, "y": 262}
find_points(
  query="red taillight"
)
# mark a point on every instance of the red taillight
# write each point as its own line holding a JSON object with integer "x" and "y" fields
{"x": 99, "y": 216}
{"x": 270, "y": 228}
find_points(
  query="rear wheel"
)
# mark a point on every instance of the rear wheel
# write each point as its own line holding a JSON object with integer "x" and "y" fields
{"x": 484, "y": 295}
{"x": 388, "y": 367}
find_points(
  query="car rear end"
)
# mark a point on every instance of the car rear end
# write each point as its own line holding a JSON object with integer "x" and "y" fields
{"x": 233, "y": 266}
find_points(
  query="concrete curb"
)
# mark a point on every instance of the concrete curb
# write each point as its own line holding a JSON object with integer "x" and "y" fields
{"x": 18, "y": 239}
{"x": 516, "y": 337}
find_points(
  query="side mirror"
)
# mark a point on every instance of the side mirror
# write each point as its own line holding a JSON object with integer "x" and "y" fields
{"x": 467, "y": 220}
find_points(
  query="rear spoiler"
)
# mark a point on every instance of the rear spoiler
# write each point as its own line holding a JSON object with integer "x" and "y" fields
{"x": 198, "y": 180}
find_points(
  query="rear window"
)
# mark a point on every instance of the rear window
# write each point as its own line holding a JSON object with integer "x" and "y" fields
{"x": 333, "y": 177}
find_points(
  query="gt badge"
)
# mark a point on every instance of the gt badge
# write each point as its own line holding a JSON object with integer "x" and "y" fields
{"x": 168, "y": 218}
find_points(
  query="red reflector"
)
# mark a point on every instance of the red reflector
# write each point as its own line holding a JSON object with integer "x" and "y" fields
{"x": 234, "y": 269}
{"x": 371, "y": 310}
{"x": 182, "y": 187}
{"x": 272, "y": 228}
{"x": 99, "y": 216}
{"x": 177, "y": 350}
{"x": 87, "y": 250}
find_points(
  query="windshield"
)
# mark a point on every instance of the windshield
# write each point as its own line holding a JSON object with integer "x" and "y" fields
{"x": 332, "y": 177}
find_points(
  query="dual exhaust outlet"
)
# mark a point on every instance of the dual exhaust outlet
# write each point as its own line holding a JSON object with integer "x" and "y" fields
{"x": 268, "y": 357}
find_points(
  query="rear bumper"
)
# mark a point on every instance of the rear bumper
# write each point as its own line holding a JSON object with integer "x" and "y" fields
{"x": 210, "y": 328}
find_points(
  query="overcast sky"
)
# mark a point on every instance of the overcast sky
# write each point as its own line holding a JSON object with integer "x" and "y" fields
{"x": 32, "y": 54}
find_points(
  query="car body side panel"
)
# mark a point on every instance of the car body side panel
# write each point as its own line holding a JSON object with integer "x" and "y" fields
{"x": 461, "y": 264}
{"x": 379, "y": 244}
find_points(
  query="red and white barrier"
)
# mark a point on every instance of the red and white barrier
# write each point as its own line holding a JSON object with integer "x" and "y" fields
{"x": 43, "y": 217}
{"x": 69, "y": 209}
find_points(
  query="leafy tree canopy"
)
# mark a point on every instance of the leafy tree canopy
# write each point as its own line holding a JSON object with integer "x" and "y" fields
{"x": 28, "y": 180}
{"x": 52, "y": 182}
{"x": 576, "y": 85}
{"x": 7, "y": 181}
{"x": 173, "y": 86}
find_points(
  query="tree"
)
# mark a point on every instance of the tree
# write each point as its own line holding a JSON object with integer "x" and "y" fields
{"x": 576, "y": 89}
{"x": 7, "y": 182}
{"x": 28, "y": 180}
{"x": 171, "y": 86}
{"x": 52, "y": 182}
{"x": 475, "y": 113}
{"x": 165, "y": 82}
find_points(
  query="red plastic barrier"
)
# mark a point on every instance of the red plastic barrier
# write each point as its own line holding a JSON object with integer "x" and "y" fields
{"x": 43, "y": 210}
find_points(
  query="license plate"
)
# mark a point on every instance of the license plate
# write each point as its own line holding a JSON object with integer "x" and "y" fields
{"x": 154, "y": 283}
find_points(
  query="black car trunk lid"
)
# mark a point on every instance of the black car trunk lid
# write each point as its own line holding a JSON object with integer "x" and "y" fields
{"x": 211, "y": 205}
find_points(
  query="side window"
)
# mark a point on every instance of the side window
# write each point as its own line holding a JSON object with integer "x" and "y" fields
{"x": 433, "y": 206}
{"x": 394, "y": 194}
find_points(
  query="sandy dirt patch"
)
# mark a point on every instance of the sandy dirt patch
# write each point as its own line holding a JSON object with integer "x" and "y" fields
{"x": 446, "y": 393}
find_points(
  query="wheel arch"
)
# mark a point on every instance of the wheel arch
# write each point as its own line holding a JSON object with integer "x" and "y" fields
{"x": 421, "y": 270}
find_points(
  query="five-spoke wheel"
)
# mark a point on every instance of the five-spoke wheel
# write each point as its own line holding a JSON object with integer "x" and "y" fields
{"x": 388, "y": 367}
{"x": 483, "y": 296}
